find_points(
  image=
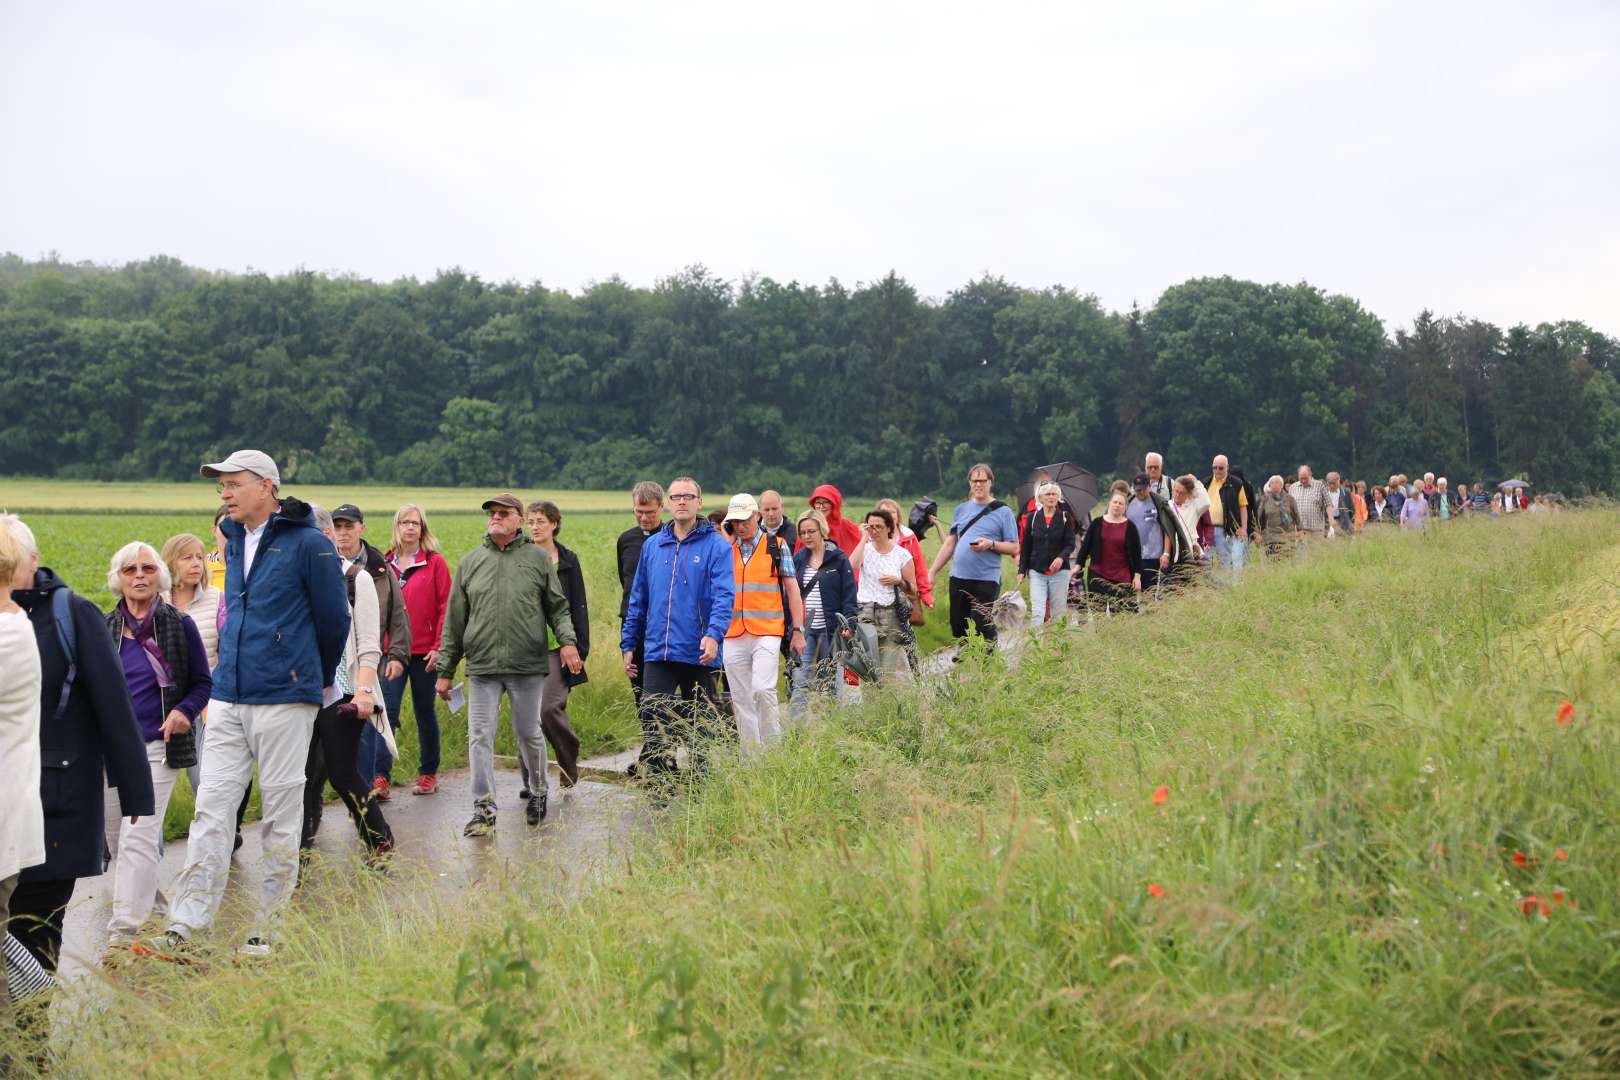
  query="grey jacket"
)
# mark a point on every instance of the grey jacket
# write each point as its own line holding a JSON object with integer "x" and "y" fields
{"x": 392, "y": 618}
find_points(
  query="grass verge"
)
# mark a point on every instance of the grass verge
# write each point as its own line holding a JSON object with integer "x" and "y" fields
{"x": 1366, "y": 777}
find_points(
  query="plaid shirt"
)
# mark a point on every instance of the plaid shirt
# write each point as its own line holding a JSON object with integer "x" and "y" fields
{"x": 1315, "y": 514}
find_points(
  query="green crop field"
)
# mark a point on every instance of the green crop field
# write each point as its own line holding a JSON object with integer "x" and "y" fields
{"x": 1336, "y": 822}
{"x": 92, "y": 496}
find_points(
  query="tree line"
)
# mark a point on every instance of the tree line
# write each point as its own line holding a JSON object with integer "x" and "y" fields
{"x": 142, "y": 370}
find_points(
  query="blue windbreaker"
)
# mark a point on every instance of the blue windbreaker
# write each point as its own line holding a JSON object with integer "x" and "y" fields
{"x": 285, "y": 627}
{"x": 682, "y": 593}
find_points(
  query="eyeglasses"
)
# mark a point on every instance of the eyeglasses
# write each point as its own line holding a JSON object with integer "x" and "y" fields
{"x": 978, "y": 479}
{"x": 143, "y": 568}
{"x": 234, "y": 485}
{"x": 681, "y": 496}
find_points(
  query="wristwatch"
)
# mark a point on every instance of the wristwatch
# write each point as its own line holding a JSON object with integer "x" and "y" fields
{"x": 371, "y": 690}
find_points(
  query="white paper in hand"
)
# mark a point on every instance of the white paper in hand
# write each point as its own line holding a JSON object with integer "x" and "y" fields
{"x": 458, "y": 698}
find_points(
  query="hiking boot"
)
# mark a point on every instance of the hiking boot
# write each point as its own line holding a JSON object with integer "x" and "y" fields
{"x": 483, "y": 821}
{"x": 378, "y": 857}
{"x": 524, "y": 794}
{"x": 172, "y": 948}
{"x": 254, "y": 949}
{"x": 426, "y": 784}
{"x": 237, "y": 846}
{"x": 536, "y": 808}
{"x": 381, "y": 790}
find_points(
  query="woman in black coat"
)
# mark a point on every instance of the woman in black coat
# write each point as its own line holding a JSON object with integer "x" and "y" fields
{"x": 88, "y": 741}
{"x": 545, "y": 523}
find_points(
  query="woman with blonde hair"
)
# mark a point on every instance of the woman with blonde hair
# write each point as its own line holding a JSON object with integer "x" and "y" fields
{"x": 192, "y": 593}
{"x": 424, "y": 579}
{"x": 22, "y": 818}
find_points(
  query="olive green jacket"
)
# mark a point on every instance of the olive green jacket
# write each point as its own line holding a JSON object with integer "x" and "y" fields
{"x": 501, "y": 602}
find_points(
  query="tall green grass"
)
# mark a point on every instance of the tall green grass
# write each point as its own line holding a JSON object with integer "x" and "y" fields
{"x": 961, "y": 881}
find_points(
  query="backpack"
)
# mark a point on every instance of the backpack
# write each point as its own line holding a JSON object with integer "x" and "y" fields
{"x": 68, "y": 638}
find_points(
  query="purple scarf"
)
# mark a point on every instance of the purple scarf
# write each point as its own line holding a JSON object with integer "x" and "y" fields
{"x": 143, "y": 631}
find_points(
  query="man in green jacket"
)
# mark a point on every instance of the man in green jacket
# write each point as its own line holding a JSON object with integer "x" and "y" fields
{"x": 505, "y": 597}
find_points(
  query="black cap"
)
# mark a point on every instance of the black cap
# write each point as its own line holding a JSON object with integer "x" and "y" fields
{"x": 348, "y": 512}
{"x": 1142, "y": 480}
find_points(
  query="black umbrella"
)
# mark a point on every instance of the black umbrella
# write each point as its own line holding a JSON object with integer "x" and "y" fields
{"x": 1079, "y": 487}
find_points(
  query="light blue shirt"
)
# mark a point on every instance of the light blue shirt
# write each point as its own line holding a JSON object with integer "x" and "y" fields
{"x": 999, "y": 525}
{"x": 1145, "y": 515}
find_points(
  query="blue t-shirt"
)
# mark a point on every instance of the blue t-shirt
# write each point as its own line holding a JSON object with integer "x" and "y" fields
{"x": 999, "y": 524}
{"x": 1146, "y": 517}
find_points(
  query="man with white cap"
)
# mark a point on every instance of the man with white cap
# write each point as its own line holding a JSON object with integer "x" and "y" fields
{"x": 286, "y": 623}
{"x": 765, "y": 593}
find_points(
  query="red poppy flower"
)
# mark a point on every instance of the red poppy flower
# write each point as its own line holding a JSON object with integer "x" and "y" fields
{"x": 1544, "y": 911}
{"x": 1560, "y": 854}
{"x": 1566, "y": 715}
{"x": 1161, "y": 795}
{"x": 1155, "y": 890}
{"x": 1558, "y": 897}
{"x": 1528, "y": 904}
{"x": 1520, "y": 859}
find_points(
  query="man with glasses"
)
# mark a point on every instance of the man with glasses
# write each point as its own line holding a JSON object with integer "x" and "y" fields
{"x": 1158, "y": 483}
{"x": 286, "y": 623}
{"x": 678, "y": 613}
{"x": 647, "y": 502}
{"x": 1229, "y": 514}
{"x": 505, "y": 595}
{"x": 983, "y": 531}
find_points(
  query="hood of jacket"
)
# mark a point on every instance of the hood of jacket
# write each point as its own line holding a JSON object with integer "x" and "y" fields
{"x": 45, "y": 583}
{"x": 830, "y": 493}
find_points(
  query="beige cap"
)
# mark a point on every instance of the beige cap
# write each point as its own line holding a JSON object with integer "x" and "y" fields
{"x": 742, "y": 507}
{"x": 256, "y": 462}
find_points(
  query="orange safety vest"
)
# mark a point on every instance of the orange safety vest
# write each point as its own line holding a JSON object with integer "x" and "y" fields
{"x": 757, "y": 604}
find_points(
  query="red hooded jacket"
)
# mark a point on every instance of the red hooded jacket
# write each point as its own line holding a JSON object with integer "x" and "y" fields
{"x": 841, "y": 531}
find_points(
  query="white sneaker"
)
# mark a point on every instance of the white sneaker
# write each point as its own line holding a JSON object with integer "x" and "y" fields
{"x": 254, "y": 948}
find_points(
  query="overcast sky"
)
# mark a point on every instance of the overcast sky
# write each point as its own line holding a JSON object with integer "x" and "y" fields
{"x": 1459, "y": 156}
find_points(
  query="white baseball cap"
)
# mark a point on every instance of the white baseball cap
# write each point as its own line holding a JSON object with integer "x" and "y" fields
{"x": 256, "y": 462}
{"x": 742, "y": 507}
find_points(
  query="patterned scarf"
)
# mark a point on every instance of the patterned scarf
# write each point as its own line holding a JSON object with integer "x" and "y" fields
{"x": 143, "y": 631}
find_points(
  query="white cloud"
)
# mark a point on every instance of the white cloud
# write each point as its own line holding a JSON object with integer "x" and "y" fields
{"x": 1451, "y": 156}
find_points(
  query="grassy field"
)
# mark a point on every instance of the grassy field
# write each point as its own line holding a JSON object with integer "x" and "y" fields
{"x": 23, "y": 496}
{"x": 78, "y": 546}
{"x": 1334, "y": 822}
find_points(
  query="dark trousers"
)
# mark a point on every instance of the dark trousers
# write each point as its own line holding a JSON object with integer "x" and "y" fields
{"x": 332, "y": 750}
{"x": 678, "y": 704}
{"x": 424, "y": 704}
{"x": 971, "y": 599}
{"x": 36, "y": 912}
{"x": 1113, "y": 594}
{"x": 1151, "y": 575}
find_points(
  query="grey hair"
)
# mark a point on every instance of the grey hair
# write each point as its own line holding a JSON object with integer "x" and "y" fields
{"x": 1333, "y": 475}
{"x": 1441, "y": 482}
{"x": 322, "y": 516}
{"x": 1275, "y": 479}
{"x": 647, "y": 491}
{"x": 1049, "y": 485}
{"x": 1152, "y": 456}
{"x": 21, "y": 532}
{"x": 128, "y": 554}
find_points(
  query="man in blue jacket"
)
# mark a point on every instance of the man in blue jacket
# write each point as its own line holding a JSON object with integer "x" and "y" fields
{"x": 286, "y": 622}
{"x": 678, "y": 610}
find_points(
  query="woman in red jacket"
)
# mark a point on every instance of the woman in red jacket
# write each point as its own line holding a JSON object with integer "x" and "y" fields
{"x": 840, "y": 530}
{"x": 425, "y": 581}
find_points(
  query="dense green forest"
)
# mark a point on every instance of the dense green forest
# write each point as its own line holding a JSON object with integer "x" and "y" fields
{"x": 140, "y": 371}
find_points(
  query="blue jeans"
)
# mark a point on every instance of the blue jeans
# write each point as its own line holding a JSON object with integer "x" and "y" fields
{"x": 814, "y": 671}
{"x": 373, "y": 758}
{"x": 1047, "y": 593}
{"x": 1231, "y": 550}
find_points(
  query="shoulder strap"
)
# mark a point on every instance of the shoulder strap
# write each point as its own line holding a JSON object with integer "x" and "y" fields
{"x": 995, "y": 504}
{"x": 68, "y": 638}
{"x": 348, "y": 579}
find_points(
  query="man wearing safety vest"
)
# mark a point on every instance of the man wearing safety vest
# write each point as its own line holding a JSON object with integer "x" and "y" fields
{"x": 766, "y": 591}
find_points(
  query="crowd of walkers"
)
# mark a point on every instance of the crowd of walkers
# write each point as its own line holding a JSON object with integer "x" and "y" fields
{"x": 288, "y": 646}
